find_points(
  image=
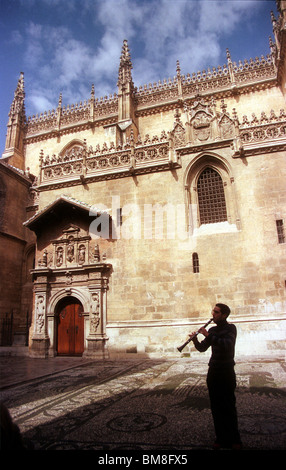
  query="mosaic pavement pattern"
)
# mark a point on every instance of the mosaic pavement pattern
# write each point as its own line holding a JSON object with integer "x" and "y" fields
{"x": 145, "y": 405}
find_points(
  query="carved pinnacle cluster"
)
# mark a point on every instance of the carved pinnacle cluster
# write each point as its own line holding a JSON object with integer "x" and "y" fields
{"x": 125, "y": 66}
{"x": 18, "y": 105}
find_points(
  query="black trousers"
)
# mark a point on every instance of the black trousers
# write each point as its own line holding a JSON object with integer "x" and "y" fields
{"x": 221, "y": 384}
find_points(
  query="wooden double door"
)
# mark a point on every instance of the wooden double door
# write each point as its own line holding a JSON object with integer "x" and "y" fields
{"x": 70, "y": 331}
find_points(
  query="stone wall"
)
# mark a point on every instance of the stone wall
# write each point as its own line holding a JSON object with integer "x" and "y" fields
{"x": 14, "y": 242}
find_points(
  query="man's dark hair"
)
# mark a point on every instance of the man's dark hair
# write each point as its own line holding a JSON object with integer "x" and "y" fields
{"x": 225, "y": 310}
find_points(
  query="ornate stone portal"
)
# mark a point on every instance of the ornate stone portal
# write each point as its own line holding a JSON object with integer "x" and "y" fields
{"x": 69, "y": 270}
{"x": 89, "y": 285}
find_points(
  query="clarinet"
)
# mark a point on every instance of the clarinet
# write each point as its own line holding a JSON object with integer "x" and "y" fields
{"x": 180, "y": 348}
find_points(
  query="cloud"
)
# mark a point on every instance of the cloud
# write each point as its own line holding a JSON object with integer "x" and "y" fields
{"x": 120, "y": 17}
{"x": 40, "y": 102}
{"x": 222, "y": 17}
{"x": 15, "y": 38}
{"x": 191, "y": 32}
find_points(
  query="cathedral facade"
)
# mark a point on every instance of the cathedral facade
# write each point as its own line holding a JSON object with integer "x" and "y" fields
{"x": 125, "y": 219}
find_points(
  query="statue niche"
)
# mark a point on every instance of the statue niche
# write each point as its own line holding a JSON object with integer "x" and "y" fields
{"x": 226, "y": 124}
{"x": 178, "y": 133}
{"x": 72, "y": 249}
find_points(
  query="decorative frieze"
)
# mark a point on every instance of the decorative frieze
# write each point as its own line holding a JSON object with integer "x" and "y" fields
{"x": 265, "y": 128}
{"x": 205, "y": 126}
{"x": 82, "y": 162}
{"x": 258, "y": 136}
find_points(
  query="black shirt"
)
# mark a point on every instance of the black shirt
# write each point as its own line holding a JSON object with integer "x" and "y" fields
{"x": 222, "y": 339}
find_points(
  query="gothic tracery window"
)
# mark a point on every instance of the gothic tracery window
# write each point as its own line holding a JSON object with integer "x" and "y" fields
{"x": 211, "y": 197}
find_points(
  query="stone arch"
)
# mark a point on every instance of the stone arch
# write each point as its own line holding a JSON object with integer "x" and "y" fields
{"x": 79, "y": 294}
{"x": 69, "y": 327}
{"x": 75, "y": 143}
{"x": 204, "y": 160}
{"x": 52, "y": 310}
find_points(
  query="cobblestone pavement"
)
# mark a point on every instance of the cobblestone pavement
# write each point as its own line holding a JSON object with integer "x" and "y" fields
{"x": 138, "y": 404}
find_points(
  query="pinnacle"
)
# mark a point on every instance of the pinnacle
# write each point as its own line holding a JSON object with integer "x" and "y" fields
{"x": 178, "y": 68}
{"x": 125, "y": 66}
{"x": 125, "y": 58}
{"x": 18, "y": 104}
{"x": 20, "y": 86}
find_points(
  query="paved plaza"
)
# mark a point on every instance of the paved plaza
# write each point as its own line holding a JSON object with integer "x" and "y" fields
{"x": 139, "y": 403}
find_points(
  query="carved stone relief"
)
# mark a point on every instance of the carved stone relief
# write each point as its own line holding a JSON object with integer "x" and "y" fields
{"x": 40, "y": 314}
{"x": 208, "y": 124}
{"x": 201, "y": 121}
{"x": 71, "y": 249}
{"x": 94, "y": 312}
{"x": 178, "y": 132}
{"x": 226, "y": 127}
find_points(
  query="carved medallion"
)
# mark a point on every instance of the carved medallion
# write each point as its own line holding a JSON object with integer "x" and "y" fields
{"x": 201, "y": 125}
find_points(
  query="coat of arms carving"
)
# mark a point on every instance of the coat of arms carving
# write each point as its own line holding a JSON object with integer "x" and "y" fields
{"x": 201, "y": 125}
{"x": 201, "y": 122}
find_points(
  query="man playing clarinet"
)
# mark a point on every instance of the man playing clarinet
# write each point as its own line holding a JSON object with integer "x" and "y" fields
{"x": 221, "y": 379}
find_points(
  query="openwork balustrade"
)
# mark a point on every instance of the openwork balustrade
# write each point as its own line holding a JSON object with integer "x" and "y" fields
{"x": 181, "y": 86}
{"x": 85, "y": 163}
{"x": 80, "y": 163}
{"x": 263, "y": 129}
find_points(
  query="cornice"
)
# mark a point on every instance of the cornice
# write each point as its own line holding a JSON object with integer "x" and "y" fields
{"x": 252, "y": 150}
{"x": 215, "y": 144}
{"x": 13, "y": 237}
{"x": 15, "y": 173}
{"x": 127, "y": 173}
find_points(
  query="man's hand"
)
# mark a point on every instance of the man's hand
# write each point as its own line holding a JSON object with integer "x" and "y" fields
{"x": 194, "y": 334}
{"x": 203, "y": 331}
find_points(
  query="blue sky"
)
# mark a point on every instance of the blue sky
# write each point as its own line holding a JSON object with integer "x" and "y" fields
{"x": 65, "y": 46}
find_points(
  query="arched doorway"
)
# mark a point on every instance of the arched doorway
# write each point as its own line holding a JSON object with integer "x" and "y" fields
{"x": 70, "y": 327}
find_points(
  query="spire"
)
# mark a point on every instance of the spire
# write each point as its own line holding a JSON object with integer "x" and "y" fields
{"x": 230, "y": 68}
{"x": 92, "y": 92}
{"x": 179, "y": 79}
{"x": 125, "y": 66}
{"x": 91, "y": 103}
{"x": 60, "y": 101}
{"x": 59, "y": 110}
{"x": 178, "y": 69}
{"x": 17, "y": 109}
{"x": 14, "y": 148}
{"x": 126, "y": 95}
